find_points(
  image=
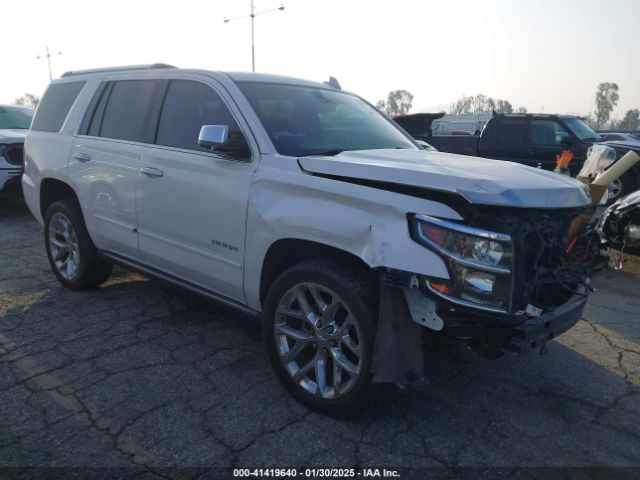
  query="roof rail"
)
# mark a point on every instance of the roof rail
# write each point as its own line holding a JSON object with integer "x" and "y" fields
{"x": 116, "y": 69}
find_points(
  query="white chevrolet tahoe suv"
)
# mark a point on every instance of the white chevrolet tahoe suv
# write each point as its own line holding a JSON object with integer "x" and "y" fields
{"x": 304, "y": 206}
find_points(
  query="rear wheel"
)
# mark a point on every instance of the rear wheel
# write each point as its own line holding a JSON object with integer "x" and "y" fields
{"x": 319, "y": 330}
{"x": 73, "y": 256}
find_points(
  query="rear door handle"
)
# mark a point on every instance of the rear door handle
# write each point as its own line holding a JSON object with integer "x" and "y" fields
{"x": 152, "y": 172}
{"x": 82, "y": 157}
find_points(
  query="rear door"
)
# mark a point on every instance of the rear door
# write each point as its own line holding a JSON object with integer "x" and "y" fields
{"x": 106, "y": 159}
{"x": 192, "y": 202}
{"x": 506, "y": 139}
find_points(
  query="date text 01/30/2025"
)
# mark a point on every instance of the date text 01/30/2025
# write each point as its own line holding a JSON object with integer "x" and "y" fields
{"x": 316, "y": 472}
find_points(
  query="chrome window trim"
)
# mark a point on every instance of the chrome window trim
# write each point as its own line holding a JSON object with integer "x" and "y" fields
{"x": 215, "y": 86}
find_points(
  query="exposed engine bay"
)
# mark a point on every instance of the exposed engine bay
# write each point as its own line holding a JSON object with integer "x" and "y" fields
{"x": 543, "y": 275}
{"x": 511, "y": 287}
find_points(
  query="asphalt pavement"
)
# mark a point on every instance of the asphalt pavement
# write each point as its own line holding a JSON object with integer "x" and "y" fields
{"x": 141, "y": 379}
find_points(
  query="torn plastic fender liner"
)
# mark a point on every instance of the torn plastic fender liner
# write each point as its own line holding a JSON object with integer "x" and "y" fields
{"x": 397, "y": 352}
{"x": 403, "y": 312}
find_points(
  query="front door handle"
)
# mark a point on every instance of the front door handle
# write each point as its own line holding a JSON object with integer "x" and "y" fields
{"x": 82, "y": 157}
{"x": 152, "y": 172}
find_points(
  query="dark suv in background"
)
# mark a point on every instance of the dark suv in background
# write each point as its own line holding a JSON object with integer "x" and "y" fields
{"x": 531, "y": 139}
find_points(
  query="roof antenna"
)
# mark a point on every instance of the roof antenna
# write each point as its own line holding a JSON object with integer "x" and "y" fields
{"x": 333, "y": 83}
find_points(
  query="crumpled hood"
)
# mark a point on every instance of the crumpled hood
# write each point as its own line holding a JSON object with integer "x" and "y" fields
{"x": 12, "y": 136}
{"x": 478, "y": 180}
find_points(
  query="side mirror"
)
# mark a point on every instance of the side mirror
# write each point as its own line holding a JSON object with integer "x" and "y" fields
{"x": 424, "y": 145}
{"x": 568, "y": 140}
{"x": 213, "y": 135}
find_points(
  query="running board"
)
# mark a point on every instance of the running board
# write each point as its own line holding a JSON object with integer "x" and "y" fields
{"x": 190, "y": 287}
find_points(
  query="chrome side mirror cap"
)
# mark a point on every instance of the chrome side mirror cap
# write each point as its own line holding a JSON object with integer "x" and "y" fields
{"x": 424, "y": 145}
{"x": 213, "y": 135}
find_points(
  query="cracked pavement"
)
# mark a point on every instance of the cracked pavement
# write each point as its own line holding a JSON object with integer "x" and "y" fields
{"x": 137, "y": 375}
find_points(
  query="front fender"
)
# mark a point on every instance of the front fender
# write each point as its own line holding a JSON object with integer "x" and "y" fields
{"x": 366, "y": 222}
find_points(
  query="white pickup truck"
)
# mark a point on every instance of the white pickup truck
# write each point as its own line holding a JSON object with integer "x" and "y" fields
{"x": 304, "y": 206}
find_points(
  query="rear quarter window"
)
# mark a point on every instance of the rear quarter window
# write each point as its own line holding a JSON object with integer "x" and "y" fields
{"x": 55, "y": 105}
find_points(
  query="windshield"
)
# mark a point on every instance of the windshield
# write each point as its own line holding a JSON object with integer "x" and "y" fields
{"x": 15, "y": 118}
{"x": 305, "y": 121}
{"x": 581, "y": 129}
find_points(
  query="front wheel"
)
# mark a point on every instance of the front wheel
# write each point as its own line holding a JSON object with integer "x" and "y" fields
{"x": 319, "y": 330}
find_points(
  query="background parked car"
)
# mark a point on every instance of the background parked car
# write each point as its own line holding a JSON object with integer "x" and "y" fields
{"x": 620, "y": 225}
{"x": 531, "y": 139}
{"x": 620, "y": 137}
{"x": 14, "y": 124}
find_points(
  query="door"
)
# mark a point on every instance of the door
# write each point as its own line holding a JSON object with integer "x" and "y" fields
{"x": 507, "y": 140}
{"x": 106, "y": 160}
{"x": 547, "y": 139}
{"x": 192, "y": 202}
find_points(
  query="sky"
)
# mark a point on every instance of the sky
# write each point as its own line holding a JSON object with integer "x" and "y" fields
{"x": 546, "y": 55}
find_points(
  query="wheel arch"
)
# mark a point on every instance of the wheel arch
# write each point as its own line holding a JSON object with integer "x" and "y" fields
{"x": 287, "y": 252}
{"x": 53, "y": 190}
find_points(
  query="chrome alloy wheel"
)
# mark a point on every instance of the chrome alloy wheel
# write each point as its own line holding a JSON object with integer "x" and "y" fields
{"x": 63, "y": 245}
{"x": 318, "y": 340}
{"x": 615, "y": 189}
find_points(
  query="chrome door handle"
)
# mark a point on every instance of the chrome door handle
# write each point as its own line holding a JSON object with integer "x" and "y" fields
{"x": 82, "y": 157}
{"x": 152, "y": 172}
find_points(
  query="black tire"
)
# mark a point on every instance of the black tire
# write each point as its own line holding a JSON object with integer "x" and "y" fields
{"x": 91, "y": 269}
{"x": 628, "y": 184}
{"x": 357, "y": 288}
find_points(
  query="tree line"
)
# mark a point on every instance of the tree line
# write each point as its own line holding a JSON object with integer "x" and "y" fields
{"x": 399, "y": 102}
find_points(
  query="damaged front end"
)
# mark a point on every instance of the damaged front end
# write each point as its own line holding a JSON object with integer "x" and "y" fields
{"x": 510, "y": 286}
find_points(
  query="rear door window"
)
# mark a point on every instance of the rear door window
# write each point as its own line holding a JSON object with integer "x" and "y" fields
{"x": 130, "y": 111}
{"x": 509, "y": 133}
{"x": 55, "y": 105}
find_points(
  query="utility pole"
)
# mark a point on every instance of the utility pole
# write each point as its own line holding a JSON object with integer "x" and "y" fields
{"x": 48, "y": 57}
{"x": 253, "y": 16}
{"x": 253, "y": 44}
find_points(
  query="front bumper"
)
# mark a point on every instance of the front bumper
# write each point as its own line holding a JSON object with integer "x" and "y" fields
{"x": 10, "y": 180}
{"x": 535, "y": 332}
{"x": 510, "y": 333}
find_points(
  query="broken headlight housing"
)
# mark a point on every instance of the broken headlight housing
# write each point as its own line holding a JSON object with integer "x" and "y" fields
{"x": 480, "y": 263}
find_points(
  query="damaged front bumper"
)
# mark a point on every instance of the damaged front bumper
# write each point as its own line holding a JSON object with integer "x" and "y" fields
{"x": 489, "y": 334}
{"x": 516, "y": 334}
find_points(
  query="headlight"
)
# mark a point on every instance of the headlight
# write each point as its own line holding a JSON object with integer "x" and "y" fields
{"x": 480, "y": 262}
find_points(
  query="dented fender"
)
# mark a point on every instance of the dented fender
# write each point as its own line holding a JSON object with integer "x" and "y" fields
{"x": 287, "y": 203}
